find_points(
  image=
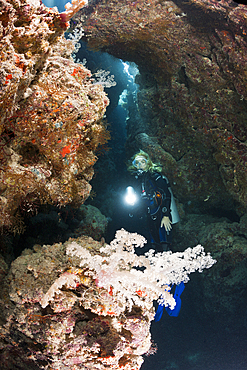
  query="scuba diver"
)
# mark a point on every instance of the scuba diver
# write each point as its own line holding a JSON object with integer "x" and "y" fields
{"x": 153, "y": 193}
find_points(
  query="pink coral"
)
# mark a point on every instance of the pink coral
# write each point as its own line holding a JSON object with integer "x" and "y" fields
{"x": 71, "y": 9}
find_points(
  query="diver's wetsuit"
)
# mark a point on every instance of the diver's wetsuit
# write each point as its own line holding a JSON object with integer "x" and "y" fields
{"x": 156, "y": 197}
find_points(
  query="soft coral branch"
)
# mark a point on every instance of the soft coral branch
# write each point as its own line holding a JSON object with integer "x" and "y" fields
{"x": 72, "y": 8}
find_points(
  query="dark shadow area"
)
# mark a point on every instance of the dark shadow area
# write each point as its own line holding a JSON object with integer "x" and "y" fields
{"x": 193, "y": 341}
{"x": 231, "y": 215}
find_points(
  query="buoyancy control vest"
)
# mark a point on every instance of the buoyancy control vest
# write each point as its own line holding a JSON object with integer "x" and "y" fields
{"x": 157, "y": 193}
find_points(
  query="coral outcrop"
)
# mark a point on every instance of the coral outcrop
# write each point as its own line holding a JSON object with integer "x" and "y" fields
{"x": 51, "y": 114}
{"x": 192, "y": 98}
{"x": 83, "y": 304}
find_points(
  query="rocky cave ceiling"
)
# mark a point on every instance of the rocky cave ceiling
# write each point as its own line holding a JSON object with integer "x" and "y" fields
{"x": 192, "y": 89}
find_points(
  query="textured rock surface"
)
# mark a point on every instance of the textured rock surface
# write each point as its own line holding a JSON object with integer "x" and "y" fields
{"x": 192, "y": 98}
{"x": 51, "y": 115}
{"x": 93, "y": 222}
{"x": 220, "y": 292}
{"x": 78, "y": 328}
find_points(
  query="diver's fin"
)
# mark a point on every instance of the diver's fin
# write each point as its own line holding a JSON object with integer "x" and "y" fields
{"x": 178, "y": 291}
{"x": 159, "y": 313}
{"x": 160, "y": 308}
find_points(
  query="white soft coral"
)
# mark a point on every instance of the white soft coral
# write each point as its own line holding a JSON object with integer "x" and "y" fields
{"x": 123, "y": 279}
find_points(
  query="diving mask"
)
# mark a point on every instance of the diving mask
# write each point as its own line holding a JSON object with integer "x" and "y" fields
{"x": 140, "y": 162}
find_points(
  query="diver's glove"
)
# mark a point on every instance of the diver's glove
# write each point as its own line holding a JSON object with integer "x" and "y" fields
{"x": 166, "y": 222}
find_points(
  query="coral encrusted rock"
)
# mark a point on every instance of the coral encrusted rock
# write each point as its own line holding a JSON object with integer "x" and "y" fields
{"x": 50, "y": 114}
{"x": 76, "y": 327}
{"x": 88, "y": 305}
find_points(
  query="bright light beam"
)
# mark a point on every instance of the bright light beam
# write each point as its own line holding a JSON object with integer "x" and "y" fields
{"x": 130, "y": 197}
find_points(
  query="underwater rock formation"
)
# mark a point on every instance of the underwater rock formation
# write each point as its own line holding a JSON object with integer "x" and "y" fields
{"x": 51, "y": 114}
{"x": 93, "y": 222}
{"x": 193, "y": 77}
{"x": 221, "y": 293}
{"x": 83, "y": 304}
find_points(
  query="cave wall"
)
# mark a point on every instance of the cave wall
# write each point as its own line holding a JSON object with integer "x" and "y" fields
{"x": 192, "y": 90}
{"x": 51, "y": 115}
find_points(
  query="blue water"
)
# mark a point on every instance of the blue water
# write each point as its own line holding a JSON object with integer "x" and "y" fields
{"x": 58, "y": 3}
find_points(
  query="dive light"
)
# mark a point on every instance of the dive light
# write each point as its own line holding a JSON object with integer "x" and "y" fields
{"x": 130, "y": 197}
